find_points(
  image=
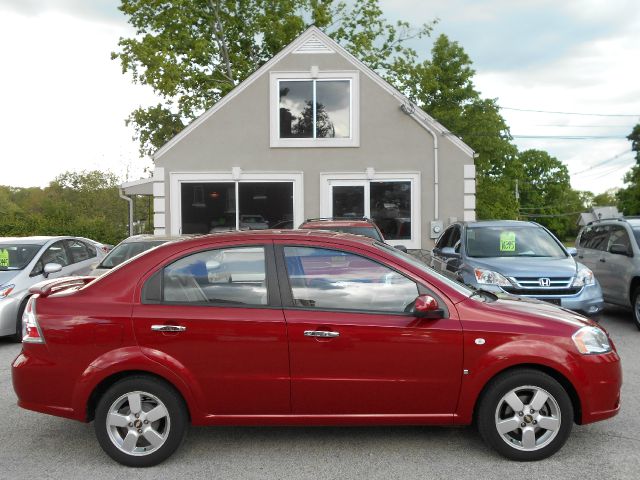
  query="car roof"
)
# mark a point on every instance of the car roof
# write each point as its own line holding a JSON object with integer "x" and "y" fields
{"x": 500, "y": 223}
{"x": 328, "y": 223}
{"x": 300, "y": 235}
{"x": 153, "y": 238}
{"x": 36, "y": 240}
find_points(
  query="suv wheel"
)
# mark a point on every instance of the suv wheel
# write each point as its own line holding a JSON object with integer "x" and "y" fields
{"x": 636, "y": 306}
{"x": 525, "y": 415}
{"x": 140, "y": 421}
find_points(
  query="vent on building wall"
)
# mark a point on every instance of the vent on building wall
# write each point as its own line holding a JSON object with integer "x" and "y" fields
{"x": 313, "y": 45}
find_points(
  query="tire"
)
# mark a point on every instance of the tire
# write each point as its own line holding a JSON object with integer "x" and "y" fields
{"x": 635, "y": 305}
{"x": 545, "y": 430}
{"x": 17, "y": 337}
{"x": 138, "y": 441}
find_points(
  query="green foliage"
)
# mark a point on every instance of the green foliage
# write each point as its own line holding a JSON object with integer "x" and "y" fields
{"x": 75, "y": 203}
{"x": 629, "y": 197}
{"x": 193, "y": 52}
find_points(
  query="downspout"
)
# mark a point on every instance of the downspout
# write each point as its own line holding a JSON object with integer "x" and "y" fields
{"x": 410, "y": 110}
{"x": 130, "y": 200}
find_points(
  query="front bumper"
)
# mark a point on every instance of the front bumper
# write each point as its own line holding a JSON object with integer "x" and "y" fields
{"x": 8, "y": 314}
{"x": 599, "y": 380}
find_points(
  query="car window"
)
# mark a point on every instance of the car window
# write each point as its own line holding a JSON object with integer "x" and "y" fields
{"x": 514, "y": 241}
{"x": 370, "y": 232}
{"x": 444, "y": 238}
{"x": 454, "y": 240}
{"x": 56, "y": 253}
{"x": 231, "y": 276}
{"x": 124, "y": 251}
{"x": 618, "y": 235}
{"x": 327, "y": 279}
{"x": 78, "y": 250}
{"x": 596, "y": 238}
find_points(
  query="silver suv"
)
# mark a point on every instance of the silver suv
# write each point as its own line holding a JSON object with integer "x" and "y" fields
{"x": 611, "y": 249}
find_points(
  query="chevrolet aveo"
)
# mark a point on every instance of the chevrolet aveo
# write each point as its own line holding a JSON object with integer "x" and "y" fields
{"x": 305, "y": 328}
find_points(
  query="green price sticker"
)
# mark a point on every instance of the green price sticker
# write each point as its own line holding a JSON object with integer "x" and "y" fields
{"x": 4, "y": 258}
{"x": 507, "y": 242}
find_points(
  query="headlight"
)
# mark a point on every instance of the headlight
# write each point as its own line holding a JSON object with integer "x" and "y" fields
{"x": 584, "y": 277}
{"x": 591, "y": 340}
{"x": 487, "y": 277}
{"x": 5, "y": 290}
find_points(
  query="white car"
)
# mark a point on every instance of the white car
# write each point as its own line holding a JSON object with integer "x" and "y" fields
{"x": 25, "y": 261}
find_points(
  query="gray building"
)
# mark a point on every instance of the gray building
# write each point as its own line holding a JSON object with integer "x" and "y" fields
{"x": 313, "y": 133}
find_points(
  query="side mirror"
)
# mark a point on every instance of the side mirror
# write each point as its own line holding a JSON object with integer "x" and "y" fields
{"x": 619, "y": 249}
{"x": 402, "y": 248}
{"x": 573, "y": 251}
{"x": 50, "y": 268}
{"x": 449, "y": 252}
{"x": 426, "y": 306}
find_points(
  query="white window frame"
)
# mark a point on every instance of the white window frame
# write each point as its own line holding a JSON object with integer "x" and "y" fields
{"x": 354, "y": 108}
{"x": 327, "y": 180}
{"x": 178, "y": 178}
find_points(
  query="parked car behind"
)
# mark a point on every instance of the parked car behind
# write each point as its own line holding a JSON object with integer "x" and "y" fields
{"x": 611, "y": 248}
{"x": 129, "y": 248}
{"x": 25, "y": 261}
{"x": 519, "y": 258}
{"x": 305, "y": 328}
{"x": 356, "y": 226}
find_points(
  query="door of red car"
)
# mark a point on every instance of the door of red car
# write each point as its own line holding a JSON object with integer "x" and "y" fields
{"x": 214, "y": 317}
{"x": 354, "y": 348}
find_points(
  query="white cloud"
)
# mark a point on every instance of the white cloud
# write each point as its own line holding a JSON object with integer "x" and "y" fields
{"x": 64, "y": 100}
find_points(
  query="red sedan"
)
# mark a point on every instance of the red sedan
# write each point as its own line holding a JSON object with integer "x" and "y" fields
{"x": 305, "y": 328}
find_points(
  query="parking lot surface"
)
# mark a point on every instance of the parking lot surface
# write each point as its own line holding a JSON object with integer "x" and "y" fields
{"x": 39, "y": 446}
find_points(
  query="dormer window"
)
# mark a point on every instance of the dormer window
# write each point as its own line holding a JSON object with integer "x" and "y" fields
{"x": 314, "y": 109}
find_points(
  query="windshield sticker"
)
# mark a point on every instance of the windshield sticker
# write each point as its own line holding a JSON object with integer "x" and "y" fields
{"x": 4, "y": 258}
{"x": 507, "y": 241}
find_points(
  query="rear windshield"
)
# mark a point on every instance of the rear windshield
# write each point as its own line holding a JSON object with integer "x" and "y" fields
{"x": 123, "y": 252}
{"x": 512, "y": 242}
{"x": 15, "y": 256}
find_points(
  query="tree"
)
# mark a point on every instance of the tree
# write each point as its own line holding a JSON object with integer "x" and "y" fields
{"x": 443, "y": 87}
{"x": 193, "y": 52}
{"x": 629, "y": 197}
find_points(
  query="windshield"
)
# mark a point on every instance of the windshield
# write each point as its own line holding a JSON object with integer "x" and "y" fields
{"x": 459, "y": 287}
{"x": 125, "y": 251}
{"x": 512, "y": 242}
{"x": 16, "y": 256}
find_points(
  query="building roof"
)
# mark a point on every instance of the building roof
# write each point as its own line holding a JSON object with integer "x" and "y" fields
{"x": 314, "y": 39}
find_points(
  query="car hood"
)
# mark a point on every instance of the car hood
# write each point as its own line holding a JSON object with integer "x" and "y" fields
{"x": 527, "y": 266}
{"x": 7, "y": 275}
{"x": 531, "y": 312}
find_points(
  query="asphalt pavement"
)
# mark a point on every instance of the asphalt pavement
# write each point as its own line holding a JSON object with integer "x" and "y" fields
{"x": 36, "y": 446}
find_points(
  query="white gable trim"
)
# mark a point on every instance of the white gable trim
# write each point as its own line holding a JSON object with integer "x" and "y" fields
{"x": 313, "y": 31}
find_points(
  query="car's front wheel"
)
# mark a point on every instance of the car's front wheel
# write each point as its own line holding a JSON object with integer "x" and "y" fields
{"x": 635, "y": 300}
{"x": 140, "y": 421}
{"x": 525, "y": 415}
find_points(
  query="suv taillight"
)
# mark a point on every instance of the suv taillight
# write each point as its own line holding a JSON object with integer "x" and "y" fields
{"x": 30, "y": 328}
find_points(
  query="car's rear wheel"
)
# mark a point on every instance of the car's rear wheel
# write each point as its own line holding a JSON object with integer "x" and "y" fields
{"x": 636, "y": 306}
{"x": 525, "y": 415}
{"x": 140, "y": 421}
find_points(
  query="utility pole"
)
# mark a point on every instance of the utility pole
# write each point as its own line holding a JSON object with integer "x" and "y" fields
{"x": 517, "y": 200}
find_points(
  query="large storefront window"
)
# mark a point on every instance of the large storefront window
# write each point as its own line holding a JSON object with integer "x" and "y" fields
{"x": 392, "y": 203}
{"x": 226, "y": 206}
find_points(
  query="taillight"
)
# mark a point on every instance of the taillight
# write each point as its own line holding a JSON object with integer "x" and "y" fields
{"x": 30, "y": 329}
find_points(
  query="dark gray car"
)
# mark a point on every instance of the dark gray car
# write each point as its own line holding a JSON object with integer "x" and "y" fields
{"x": 519, "y": 258}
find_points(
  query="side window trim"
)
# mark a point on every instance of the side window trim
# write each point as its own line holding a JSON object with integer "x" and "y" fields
{"x": 273, "y": 293}
{"x": 286, "y": 293}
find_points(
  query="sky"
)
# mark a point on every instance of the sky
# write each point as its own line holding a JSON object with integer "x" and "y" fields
{"x": 64, "y": 100}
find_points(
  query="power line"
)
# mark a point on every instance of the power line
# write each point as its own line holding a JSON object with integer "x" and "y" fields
{"x": 573, "y": 113}
{"x": 603, "y": 162}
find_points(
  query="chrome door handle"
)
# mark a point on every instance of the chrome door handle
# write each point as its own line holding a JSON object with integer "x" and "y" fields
{"x": 321, "y": 334}
{"x": 168, "y": 328}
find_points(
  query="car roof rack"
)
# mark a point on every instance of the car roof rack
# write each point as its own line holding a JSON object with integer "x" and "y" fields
{"x": 340, "y": 219}
{"x": 611, "y": 219}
